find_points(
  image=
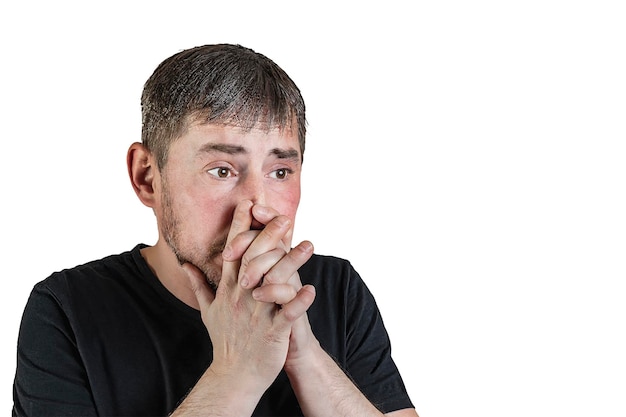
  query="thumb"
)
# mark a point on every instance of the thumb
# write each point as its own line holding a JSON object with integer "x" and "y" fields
{"x": 199, "y": 285}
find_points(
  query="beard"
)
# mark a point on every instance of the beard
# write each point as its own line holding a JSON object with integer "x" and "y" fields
{"x": 201, "y": 258}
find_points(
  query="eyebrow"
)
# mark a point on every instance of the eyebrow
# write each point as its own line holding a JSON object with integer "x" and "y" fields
{"x": 289, "y": 153}
{"x": 286, "y": 153}
{"x": 222, "y": 147}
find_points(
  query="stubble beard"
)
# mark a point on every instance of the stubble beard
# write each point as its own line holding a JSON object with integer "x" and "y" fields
{"x": 203, "y": 259}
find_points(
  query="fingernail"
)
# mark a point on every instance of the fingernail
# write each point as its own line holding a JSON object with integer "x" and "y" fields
{"x": 244, "y": 281}
{"x": 306, "y": 247}
{"x": 227, "y": 253}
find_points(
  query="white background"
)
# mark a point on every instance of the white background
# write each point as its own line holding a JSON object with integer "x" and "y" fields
{"x": 467, "y": 157}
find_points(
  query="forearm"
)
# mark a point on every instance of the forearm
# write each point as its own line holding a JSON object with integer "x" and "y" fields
{"x": 323, "y": 389}
{"x": 220, "y": 395}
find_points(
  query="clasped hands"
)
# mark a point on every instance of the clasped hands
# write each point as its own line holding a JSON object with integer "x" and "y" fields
{"x": 256, "y": 318}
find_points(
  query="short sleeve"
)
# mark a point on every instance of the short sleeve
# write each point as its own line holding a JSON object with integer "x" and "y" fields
{"x": 50, "y": 377}
{"x": 368, "y": 354}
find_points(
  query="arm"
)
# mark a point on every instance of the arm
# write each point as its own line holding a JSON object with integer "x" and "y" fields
{"x": 323, "y": 389}
{"x": 407, "y": 412}
{"x": 50, "y": 378}
{"x": 321, "y": 386}
{"x": 221, "y": 394}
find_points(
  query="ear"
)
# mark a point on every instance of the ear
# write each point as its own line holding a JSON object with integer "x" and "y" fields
{"x": 143, "y": 172}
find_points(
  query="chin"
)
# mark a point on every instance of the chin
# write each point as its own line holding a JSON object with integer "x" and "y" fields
{"x": 213, "y": 271}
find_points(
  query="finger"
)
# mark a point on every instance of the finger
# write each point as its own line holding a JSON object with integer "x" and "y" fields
{"x": 199, "y": 285}
{"x": 289, "y": 264}
{"x": 235, "y": 249}
{"x": 242, "y": 219}
{"x": 265, "y": 214}
{"x": 275, "y": 293}
{"x": 292, "y": 310}
{"x": 271, "y": 235}
{"x": 251, "y": 273}
{"x": 267, "y": 240}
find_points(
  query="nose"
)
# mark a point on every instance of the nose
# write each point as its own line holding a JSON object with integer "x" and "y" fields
{"x": 253, "y": 189}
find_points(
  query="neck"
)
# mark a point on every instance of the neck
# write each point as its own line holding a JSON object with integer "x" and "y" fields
{"x": 165, "y": 266}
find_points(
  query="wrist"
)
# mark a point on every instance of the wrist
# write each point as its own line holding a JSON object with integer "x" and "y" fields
{"x": 222, "y": 393}
{"x": 304, "y": 363}
{"x": 237, "y": 384}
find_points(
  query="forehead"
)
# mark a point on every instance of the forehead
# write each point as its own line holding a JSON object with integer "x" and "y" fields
{"x": 205, "y": 137}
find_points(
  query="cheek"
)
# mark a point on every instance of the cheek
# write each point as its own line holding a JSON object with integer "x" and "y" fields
{"x": 287, "y": 203}
{"x": 204, "y": 219}
{"x": 214, "y": 215}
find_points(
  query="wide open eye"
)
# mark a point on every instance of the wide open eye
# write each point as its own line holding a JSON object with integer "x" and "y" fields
{"x": 220, "y": 172}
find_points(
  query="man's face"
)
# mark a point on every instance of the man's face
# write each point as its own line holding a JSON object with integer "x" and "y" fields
{"x": 212, "y": 168}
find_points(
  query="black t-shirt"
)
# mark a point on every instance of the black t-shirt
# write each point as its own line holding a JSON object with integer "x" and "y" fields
{"x": 107, "y": 338}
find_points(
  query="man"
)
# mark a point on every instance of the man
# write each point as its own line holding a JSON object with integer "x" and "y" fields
{"x": 213, "y": 319}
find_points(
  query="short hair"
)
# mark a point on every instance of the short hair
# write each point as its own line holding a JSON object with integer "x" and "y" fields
{"x": 218, "y": 84}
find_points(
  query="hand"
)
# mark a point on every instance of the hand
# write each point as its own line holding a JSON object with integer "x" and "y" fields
{"x": 250, "y": 338}
{"x": 273, "y": 273}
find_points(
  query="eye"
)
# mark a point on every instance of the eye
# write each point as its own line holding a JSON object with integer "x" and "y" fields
{"x": 220, "y": 172}
{"x": 281, "y": 174}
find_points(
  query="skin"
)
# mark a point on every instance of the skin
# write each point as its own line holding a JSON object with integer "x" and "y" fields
{"x": 225, "y": 204}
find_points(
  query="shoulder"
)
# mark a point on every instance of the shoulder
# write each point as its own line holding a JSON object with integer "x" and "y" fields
{"x": 320, "y": 267}
{"x": 93, "y": 277}
{"x": 336, "y": 281}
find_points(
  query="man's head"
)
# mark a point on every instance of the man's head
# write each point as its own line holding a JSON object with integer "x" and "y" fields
{"x": 217, "y": 84}
{"x": 222, "y": 124}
